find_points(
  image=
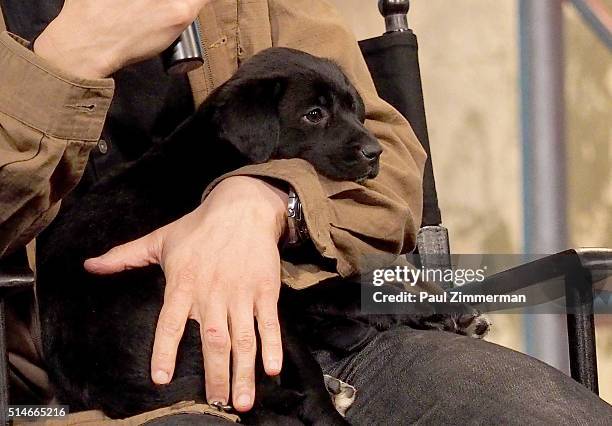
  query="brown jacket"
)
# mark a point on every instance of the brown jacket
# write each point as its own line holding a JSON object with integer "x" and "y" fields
{"x": 50, "y": 120}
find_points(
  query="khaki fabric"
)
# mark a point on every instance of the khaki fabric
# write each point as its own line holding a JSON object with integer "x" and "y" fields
{"x": 50, "y": 121}
{"x": 95, "y": 418}
{"x": 356, "y": 226}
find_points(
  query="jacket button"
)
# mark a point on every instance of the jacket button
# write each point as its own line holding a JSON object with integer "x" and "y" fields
{"x": 102, "y": 146}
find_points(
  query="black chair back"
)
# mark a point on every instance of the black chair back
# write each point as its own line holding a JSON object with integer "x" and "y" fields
{"x": 393, "y": 62}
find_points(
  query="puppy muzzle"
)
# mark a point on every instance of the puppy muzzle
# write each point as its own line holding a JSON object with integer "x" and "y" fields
{"x": 369, "y": 156}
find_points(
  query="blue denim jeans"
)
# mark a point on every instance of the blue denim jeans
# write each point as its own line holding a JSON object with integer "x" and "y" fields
{"x": 407, "y": 376}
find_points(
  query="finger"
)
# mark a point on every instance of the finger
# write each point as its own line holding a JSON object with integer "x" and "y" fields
{"x": 269, "y": 331}
{"x": 244, "y": 348}
{"x": 216, "y": 347}
{"x": 135, "y": 254}
{"x": 169, "y": 331}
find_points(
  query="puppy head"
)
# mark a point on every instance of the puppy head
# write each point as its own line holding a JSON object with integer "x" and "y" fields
{"x": 283, "y": 103}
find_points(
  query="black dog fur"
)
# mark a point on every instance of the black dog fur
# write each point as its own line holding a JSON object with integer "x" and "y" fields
{"x": 98, "y": 330}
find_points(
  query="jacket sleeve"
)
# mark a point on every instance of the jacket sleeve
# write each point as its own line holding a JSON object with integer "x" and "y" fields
{"x": 49, "y": 121}
{"x": 358, "y": 226}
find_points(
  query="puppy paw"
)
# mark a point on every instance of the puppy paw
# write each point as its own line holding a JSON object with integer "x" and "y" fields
{"x": 474, "y": 324}
{"x": 341, "y": 393}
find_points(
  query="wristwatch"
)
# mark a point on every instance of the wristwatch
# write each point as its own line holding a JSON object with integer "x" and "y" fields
{"x": 297, "y": 231}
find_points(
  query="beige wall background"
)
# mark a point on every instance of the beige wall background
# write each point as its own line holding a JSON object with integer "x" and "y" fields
{"x": 470, "y": 61}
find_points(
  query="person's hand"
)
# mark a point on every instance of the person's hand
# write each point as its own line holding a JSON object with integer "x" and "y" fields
{"x": 222, "y": 268}
{"x": 94, "y": 38}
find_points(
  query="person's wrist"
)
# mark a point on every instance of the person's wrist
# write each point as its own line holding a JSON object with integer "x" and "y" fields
{"x": 264, "y": 203}
{"x": 62, "y": 52}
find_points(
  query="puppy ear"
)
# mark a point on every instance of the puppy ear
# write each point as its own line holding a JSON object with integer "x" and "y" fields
{"x": 247, "y": 115}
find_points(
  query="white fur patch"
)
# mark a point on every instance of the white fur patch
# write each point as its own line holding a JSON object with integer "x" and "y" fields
{"x": 342, "y": 394}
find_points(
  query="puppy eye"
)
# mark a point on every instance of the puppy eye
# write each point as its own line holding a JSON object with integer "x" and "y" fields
{"x": 314, "y": 115}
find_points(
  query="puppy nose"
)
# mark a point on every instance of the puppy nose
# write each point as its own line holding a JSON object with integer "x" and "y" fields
{"x": 371, "y": 151}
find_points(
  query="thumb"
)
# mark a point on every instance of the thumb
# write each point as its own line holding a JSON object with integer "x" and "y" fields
{"x": 135, "y": 254}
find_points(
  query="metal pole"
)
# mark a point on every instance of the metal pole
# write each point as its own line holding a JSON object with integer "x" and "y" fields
{"x": 595, "y": 16}
{"x": 544, "y": 156}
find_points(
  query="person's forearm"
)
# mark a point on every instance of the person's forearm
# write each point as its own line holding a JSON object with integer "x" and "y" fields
{"x": 68, "y": 54}
{"x": 354, "y": 225}
{"x": 266, "y": 202}
{"x": 53, "y": 102}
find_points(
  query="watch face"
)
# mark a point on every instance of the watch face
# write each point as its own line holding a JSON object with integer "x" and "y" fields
{"x": 297, "y": 230}
{"x": 293, "y": 205}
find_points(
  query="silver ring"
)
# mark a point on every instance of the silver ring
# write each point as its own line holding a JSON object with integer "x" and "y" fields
{"x": 220, "y": 406}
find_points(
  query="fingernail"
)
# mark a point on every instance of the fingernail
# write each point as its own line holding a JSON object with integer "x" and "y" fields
{"x": 91, "y": 263}
{"x": 274, "y": 365}
{"x": 244, "y": 400}
{"x": 161, "y": 377}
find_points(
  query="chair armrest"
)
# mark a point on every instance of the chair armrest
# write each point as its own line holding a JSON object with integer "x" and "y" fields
{"x": 15, "y": 273}
{"x": 590, "y": 263}
{"x": 579, "y": 269}
{"x": 596, "y": 259}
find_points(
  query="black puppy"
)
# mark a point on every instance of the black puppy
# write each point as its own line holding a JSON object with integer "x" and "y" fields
{"x": 98, "y": 330}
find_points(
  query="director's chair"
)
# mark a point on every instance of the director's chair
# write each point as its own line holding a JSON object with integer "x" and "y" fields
{"x": 393, "y": 62}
